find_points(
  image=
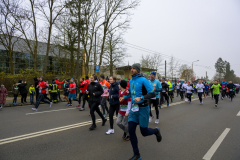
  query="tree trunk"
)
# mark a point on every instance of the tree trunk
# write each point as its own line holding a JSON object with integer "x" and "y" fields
{"x": 78, "y": 51}
{"x": 11, "y": 61}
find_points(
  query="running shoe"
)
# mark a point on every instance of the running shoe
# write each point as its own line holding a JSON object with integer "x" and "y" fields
{"x": 92, "y": 127}
{"x": 167, "y": 104}
{"x": 157, "y": 121}
{"x": 104, "y": 121}
{"x": 110, "y": 131}
{"x": 124, "y": 135}
{"x": 107, "y": 114}
{"x": 81, "y": 109}
{"x": 215, "y": 105}
{"x": 78, "y": 106}
{"x": 50, "y": 105}
{"x": 151, "y": 118}
{"x": 104, "y": 115}
{"x": 34, "y": 109}
{"x": 70, "y": 105}
{"x": 127, "y": 138}
{"x": 136, "y": 157}
{"x": 158, "y": 135}
{"x": 67, "y": 104}
{"x": 0, "y": 107}
{"x": 160, "y": 106}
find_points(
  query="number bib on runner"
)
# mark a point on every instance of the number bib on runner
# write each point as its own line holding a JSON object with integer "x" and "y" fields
{"x": 123, "y": 108}
{"x": 80, "y": 91}
{"x": 230, "y": 90}
{"x": 135, "y": 108}
{"x": 199, "y": 89}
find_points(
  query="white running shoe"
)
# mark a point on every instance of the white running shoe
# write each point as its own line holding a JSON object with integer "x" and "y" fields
{"x": 215, "y": 105}
{"x": 1, "y": 107}
{"x": 151, "y": 118}
{"x": 186, "y": 99}
{"x": 157, "y": 121}
{"x": 110, "y": 131}
{"x": 34, "y": 109}
{"x": 50, "y": 104}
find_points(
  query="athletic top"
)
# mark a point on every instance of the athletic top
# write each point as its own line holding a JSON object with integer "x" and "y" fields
{"x": 184, "y": 85}
{"x": 42, "y": 85}
{"x": 72, "y": 87}
{"x": 156, "y": 83}
{"x": 178, "y": 85}
{"x": 189, "y": 89}
{"x": 216, "y": 89}
{"x": 105, "y": 85}
{"x": 224, "y": 85}
{"x": 199, "y": 87}
{"x": 126, "y": 102}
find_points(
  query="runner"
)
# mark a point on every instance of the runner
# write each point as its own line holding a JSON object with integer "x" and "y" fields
{"x": 184, "y": 86}
{"x": 171, "y": 90}
{"x": 140, "y": 92}
{"x": 182, "y": 92}
{"x": 231, "y": 88}
{"x": 164, "y": 93}
{"x": 82, "y": 94}
{"x": 105, "y": 85}
{"x": 173, "y": 87}
{"x": 113, "y": 101}
{"x": 59, "y": 86}
{"x": 125, "y": 106}
{"x": 223, "y": 86}
{"x": 216, "y": 92}
{"x": 85, "y": 96}
{"x": 95, "y": 90}
{"x": 189, "y": 89}
{"x": 237, "y": 88}
{"x": 72, "y": 91}
{"x": 178, "y": 87}
{"x": 42, "y": 86}
{"x": 211, "y": 90}
{"x": 199, "y": 88}
{"x": 157, "y": 87}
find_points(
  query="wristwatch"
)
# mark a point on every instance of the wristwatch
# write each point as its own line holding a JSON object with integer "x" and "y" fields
{"x": 141, "y": 98}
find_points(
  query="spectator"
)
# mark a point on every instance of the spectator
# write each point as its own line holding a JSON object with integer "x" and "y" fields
{"x": 3, "y": 94}
{"x": 15, "y": 91}
{"x": 23, "y": 91}
{"x": 59, "y": 86}
{"x": 32, "y": 92}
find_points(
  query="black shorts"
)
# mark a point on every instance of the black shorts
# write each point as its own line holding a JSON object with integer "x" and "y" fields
{"x": 66, "y": 94}
{"x": 155, "y": 102}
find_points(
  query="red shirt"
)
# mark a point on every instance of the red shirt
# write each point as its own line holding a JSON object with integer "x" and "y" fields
{"x": 72, "y": 85}
{"x": 124, "y": 102}
{"x": 86, "y": 82}
{"x": 42, "y": 84}
{"x": 59, "y": 83}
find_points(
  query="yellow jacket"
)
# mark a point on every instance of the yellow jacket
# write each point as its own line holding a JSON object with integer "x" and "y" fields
{"x": 32, "y": 90}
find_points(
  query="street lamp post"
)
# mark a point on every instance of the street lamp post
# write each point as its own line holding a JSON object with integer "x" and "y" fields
{"x": 192, "y": 67}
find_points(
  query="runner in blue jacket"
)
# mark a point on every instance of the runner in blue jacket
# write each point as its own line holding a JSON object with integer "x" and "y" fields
{"x": 140, "y": 92}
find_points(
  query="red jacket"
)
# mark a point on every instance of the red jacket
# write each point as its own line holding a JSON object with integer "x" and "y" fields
{"x": 124, "y": 102}
{"x": 84, "y": 88}
{"x": 59, "y": 83}
{"x": 42, "y": 85}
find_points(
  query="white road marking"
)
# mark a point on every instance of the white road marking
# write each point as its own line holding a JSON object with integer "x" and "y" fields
{"x": 45, "y": 132}
{"x": 215, "y": 146}
{"x": 238, "y": 113}
{"x": 34, "y": 112}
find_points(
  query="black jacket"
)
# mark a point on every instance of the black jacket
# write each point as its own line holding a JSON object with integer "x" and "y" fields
{"x": 165, "y": 87}
{"x": 22, "y": 88}
{"x": 113, "y": 94}
{"x": 36, "y": 81}
{"x": 94, "y": 87}
{"x": 231, "y": 86}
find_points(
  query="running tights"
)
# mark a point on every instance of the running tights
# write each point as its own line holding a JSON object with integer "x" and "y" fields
{"x": 113, "y": 108}
{"x": 200, "y": 96}
{"x": 94, "y": 107}
{"x": 216, "y": 97}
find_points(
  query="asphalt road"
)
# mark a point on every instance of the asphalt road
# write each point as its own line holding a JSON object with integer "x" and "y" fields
{"x": 190, "y": 132}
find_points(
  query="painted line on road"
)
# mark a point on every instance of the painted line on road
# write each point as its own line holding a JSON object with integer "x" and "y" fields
{"x": 34, "y": 112}
{"x": 176, "y": 103}
{"x": 45, "y": 132}
{"x": 215, "y": 146}
{"x": 238, "y": 113}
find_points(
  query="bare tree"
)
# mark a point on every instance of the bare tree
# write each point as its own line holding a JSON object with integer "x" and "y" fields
{"x": 115, "y": 52}
{"x": 173, "y": 65}
{"x": 116, "y": 16}
{"x": 50, "y": 9}
{"x": 152, "y": 61}
{"x": 8, "y": 27}
{"x": 185, "y": 72}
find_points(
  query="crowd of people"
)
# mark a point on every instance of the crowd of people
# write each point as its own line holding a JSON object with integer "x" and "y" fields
{"x": 130, "y": 100}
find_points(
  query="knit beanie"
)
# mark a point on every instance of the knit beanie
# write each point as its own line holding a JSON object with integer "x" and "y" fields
{"x": 137, "y": 66}
{"x": 123, "y": 84}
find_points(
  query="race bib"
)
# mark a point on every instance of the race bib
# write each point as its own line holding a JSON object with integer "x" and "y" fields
{"x": 123, "y": 108}
{"x": 224, "y": 88}
{"x": 230, "y": 90}
{"x": 199, "y": 89}
{"x": 135, "y": 108}
{"x": 153, "y": 98}
{"x": 40, "y": 91}
{"x": 80, "y": 91}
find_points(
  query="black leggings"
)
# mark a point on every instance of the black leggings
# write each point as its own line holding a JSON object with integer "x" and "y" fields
{"x": 200, "y": 96}
{"x": 231, "y": 94}
{"x": 189, "y": 96}
{"x": 15, "y": 98}
{"x": 182, "y": 94}
{"x": 112, "y": 109}
{"x": 223, "y": 93}
{"x": 216, "y": 97}
{"x": 178, "y": 91}
{"x": 163, "y": 94}
{"x": 133, "y": 137}
{"x": 23, "y": 98}
{"x": 155, "y": 104}
{"x": 93, "y": 108}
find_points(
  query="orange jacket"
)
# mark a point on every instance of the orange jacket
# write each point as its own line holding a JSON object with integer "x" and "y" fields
{"x": 59, "y": 83}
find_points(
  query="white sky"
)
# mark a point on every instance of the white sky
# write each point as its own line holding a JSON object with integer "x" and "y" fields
{"x": 191, "y": 30}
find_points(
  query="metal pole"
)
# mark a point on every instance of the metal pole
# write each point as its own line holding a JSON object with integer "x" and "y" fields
{"x": 165, "y": 69}
{"x": 95, "y": 52}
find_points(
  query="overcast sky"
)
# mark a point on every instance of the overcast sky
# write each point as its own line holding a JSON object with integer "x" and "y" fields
{"x": 190, "y": 30}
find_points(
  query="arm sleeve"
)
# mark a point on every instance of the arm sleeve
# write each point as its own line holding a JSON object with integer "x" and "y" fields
{"x": 129, "y": 106}
{"x": 100, "y": 91}
{"x": 150, "y": 92}
{"x": 81, "y": 86}
{"x": 61, "y": 82}
{"x": 115, "y": 96}
{"x": 72, "y": 88}
{"x": 30, "y": 91}
{"x": 108, "y": 84}
{"x": 129, "y": 95}
{"x": 159, "y": 86}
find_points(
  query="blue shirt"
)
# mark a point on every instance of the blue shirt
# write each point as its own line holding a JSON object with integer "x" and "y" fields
{"x": 157, "y": 86}
{"x": 136, "y": 87}
{"x": 173, "y": 85}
